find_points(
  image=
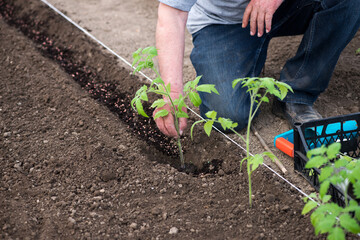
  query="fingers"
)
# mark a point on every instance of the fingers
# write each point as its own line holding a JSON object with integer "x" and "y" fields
{"x": 253, "y": 21}
{"x": 268, "y": 21}
{"x": 260, "y": 23}
{"x": 260, "y": 15}
{"x": 246, "y": 16}
{"x": 167, "y": 126}
{"x": 182, "y": 125}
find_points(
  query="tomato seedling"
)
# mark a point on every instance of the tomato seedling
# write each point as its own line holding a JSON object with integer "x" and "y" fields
{"x": 343, "y": 171}
{"x": 143, "y": 59}
{"x": 258, "y": 89}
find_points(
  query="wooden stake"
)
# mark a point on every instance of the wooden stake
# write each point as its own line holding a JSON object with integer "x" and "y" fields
{"x": 263, "y": 143}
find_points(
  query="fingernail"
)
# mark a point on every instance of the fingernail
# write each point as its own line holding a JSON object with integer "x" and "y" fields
{"x": 259, "y": 35}
{"x": 267, "y": 31}
{"x": 251, "y": 33}
{"x": 181, "y": 132}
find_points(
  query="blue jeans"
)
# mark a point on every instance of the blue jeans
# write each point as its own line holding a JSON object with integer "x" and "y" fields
{"x": 223, "y": 53}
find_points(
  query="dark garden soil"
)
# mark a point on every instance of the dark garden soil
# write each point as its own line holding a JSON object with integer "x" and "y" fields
{"x": 77, "y": 163}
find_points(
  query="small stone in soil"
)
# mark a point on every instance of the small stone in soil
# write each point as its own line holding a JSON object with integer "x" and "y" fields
{"x": 173, "y": 230}
{"x": 71, "y": 220}
{"x": 7, "y": 134}
{"x": 133, "y": 225}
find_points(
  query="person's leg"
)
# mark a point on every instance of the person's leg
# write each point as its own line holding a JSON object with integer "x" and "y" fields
{"x": 328, "y": 26}
{"x": 221, "y": 54}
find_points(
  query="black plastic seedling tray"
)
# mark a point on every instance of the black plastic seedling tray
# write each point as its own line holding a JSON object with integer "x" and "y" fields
{"x": 344, "y": 129}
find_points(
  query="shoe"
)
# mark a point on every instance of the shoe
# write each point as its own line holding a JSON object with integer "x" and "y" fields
{"x": 295, "y": 112}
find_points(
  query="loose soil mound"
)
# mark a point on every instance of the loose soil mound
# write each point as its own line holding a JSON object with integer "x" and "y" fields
{"x": 76, "y": 163}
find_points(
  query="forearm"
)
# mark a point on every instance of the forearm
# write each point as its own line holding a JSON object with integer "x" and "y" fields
{"x": 170, "y": 42}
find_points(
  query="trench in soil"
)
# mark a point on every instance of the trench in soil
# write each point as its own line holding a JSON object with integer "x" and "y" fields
{"x": 105, "y": 92}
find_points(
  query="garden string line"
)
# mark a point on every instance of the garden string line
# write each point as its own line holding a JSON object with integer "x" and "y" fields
{"x": 129, "y": 64}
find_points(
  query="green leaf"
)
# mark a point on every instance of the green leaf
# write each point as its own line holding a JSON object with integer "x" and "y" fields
{"x": 325, "y": 225}
{"x": 268, "y": 83}
{"x": 236, "y": 81}
{"x": 208, "y": 127}
{"x": 324, "y": 187}
{"x": 140, "y": 66}
{"x": 182, "y": 114}
{"x": 211, "y": 115}
{"x": 140, "y": 91}
{"x": 144, "y": 96}
{"x": 275, "y": 92}
{"x": 158, "y": 103}
{"x": 332, "y": 150}
{"x": 342, "y": 162}
{"x": 196, "y": 81}
{"x": 316, "y": 162}
{"x": 187, "y": 87}
{"x": 355, "y": 173}
{"x": 357, "y": 51}
{"x": 357, "y": 214}
{"x": 325, "y": 173}
{"x": 283, "y": 90}
{"x": 317, "y": 151}
{"x": 181, "y": 104}
{"x": 151, "y": 50}
{"x": 168, "y": 88}
{"x": 278, "y": 83}
{"x": 265, "y": 99}
{"x": 316, "y": 216}
{"x": 352, "y": 207}
{"x": 255, "y": 161}
{"x": 326, "y": 198}
{"x": 132, "y": 103}
{"x": 136, "y": 60}
{"x": 336, "y": 234}
{"x": 195, "y": 98}
{"x": 158, "y": 81}
{"x": 350, "y": 224}
{"x": 310, "y": 205}
{"x": 356, "y": 189}
{"x": 225, "y": 123}
{"x": 270, "y": 155}
{"x": 312, "y": 195}
{"x": 161, "y": 113}
{"x": 139, "y": 108}
{"x": 136, "y": 56}
{"x": 336, "y": 179}
{"x": 207, "y": 88}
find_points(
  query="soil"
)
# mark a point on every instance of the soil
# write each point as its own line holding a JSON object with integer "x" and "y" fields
{"x": 77, "y": 163}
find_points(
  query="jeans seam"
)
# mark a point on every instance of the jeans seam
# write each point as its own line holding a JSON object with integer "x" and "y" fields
{"x": 308, "y": 48}
{"x": 257, "y": 56}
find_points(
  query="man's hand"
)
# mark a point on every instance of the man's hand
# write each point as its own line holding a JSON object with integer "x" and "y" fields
{"x": 260, "y": 14}
{"x": 166, "y": 124}
{"x": 170, "y": 42}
